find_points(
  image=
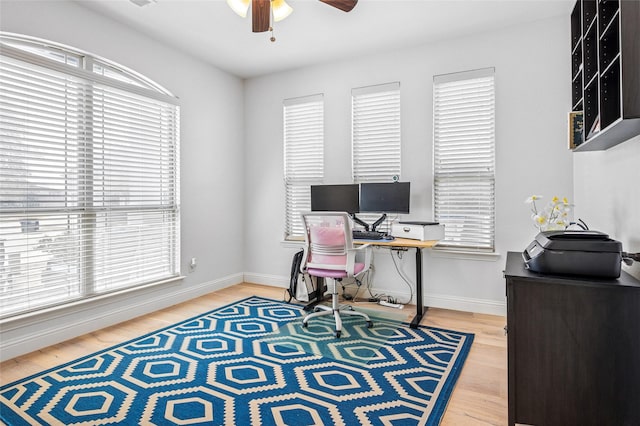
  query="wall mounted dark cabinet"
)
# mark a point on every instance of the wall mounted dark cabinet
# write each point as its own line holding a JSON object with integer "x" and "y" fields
{"x": 605, "y": 58}
{"x": 573, "y": 348}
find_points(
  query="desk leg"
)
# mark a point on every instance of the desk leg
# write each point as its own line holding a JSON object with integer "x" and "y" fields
{"x": 420, "y": 309}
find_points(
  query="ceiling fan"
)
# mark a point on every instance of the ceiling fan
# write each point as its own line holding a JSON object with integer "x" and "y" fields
{"x": 262, "y": 9}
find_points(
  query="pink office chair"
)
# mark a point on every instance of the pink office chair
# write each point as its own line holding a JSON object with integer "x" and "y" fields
{"x": 330, "y": 254}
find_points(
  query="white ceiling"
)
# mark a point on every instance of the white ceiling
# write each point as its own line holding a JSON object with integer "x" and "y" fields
{"x": 315, "y": 32}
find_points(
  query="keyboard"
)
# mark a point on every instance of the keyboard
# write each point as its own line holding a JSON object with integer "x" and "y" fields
{"x": 367, "y": 235}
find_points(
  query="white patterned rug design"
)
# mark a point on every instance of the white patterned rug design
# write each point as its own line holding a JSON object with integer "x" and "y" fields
{"x": 251, "y": 363}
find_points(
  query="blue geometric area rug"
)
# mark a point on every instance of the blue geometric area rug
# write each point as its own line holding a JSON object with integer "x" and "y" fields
{"x": 251, "y": 363}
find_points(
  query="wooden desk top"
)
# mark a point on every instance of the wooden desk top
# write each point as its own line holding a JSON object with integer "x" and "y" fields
{"x": 398, "y": 242}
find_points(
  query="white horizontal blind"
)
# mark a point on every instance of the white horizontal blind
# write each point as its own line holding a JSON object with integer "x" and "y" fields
{"x": 376, "y": 132}
{"x": 41, "y": 126}
{"x": 464, "y": 158}
{"x": 89, "y": 198}
{"x": 303, "y": 157}
{"x": 375, "y": 118}
{"x": 134, "y": 190}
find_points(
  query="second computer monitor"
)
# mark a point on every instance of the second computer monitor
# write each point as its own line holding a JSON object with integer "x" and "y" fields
{"x": 388, "y": 197}
{"x": 335, "y": 198}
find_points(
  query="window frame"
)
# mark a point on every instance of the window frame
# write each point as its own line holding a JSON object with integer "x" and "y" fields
{"x": 465, "y": 166}
{"x": 376, "y": 139}
{"x": 32, "y": 55}
{"x": 303, "y": 158}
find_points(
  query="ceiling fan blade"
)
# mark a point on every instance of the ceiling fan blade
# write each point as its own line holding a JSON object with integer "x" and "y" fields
{"x": 260, "y": 15}
{"x": 345, "y": 5}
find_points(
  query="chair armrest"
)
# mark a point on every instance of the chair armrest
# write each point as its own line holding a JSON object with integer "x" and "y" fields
{"x": 361, "y": 253}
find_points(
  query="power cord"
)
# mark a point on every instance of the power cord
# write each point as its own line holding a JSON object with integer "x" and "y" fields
{"x": 358, "y": 284}
{"x": 580, "y": 224}
{"x": 377, "y": 297}
{"x": 404, "y": 278}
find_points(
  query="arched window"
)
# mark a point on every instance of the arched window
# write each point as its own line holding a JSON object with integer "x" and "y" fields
{"x": 89, "y": 190}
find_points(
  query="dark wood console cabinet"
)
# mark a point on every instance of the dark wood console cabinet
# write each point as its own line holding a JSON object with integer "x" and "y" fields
{"x": 573, "y": 348}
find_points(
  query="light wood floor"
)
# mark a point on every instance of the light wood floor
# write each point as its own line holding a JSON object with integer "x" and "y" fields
{"x": 479, "y": 398}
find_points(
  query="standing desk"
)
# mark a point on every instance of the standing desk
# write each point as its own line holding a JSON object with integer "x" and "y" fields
{"x": 407, "y": 243}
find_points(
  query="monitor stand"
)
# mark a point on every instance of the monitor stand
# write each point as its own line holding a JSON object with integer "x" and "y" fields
{"x": 368, "y": 227}
{"x": 359, "y": 221}
{"x": 378, "y": 222}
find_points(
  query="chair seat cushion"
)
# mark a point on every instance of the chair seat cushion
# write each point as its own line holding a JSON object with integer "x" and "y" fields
{"x": 332, "y": 273}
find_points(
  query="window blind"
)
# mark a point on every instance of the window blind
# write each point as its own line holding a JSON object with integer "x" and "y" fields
{"x": 89, "y": 200}
{"x": 464, "y": 158}
{"x": 303, "y": 157}
{"x": 375, "y": 112}
{"x": 376, "y": 132}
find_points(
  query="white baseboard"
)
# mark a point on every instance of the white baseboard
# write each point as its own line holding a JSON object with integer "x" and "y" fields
{"x": 264, "y": 279}
{"x": 55, "y": 326}
{"x": 457, "y": 303}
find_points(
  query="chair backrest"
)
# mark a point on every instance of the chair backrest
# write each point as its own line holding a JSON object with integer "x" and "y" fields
{"x": 328, "y": 238}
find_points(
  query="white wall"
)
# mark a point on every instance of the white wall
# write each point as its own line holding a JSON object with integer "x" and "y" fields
{"x": 532, "y": 100}
{"x": 211, "y": 173}
{"x": 607, "y": 194}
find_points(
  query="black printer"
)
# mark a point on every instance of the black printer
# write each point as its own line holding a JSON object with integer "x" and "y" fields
{"x": 586, "y": 252}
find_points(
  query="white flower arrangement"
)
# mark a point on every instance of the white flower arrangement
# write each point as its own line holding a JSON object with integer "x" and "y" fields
{"x": 555, "y": 216}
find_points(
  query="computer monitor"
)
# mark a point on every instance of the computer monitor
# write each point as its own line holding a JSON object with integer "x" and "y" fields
{"x": 389, "y": 197}
{"x": 335, "y": 198}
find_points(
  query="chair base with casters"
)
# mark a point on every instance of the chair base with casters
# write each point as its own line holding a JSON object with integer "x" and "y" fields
{"x": 334, "y": 309}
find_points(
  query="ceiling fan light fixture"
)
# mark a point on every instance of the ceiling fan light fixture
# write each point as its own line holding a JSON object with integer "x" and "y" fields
{"x": 264, "y": 13}
{"x": 241, "y": 7}
{"x": 280, "y": 10}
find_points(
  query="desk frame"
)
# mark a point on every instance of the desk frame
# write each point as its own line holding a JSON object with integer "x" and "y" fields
{"x": 407, "y": 243}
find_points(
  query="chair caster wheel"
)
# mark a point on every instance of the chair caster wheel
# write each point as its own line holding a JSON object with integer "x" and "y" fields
{"x": 305, "y": 325}
{"x": 369, "y": 324}
{"x": 337, "y": 334}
